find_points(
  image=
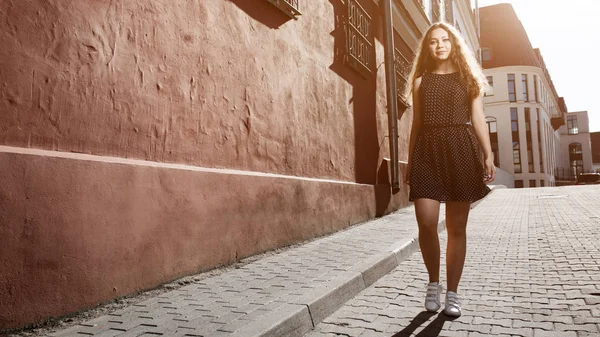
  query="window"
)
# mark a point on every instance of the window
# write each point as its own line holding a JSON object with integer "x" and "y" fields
{"x": 289, "y": 7}
{"x": 402, "y": 61}
{"x": 575, "y": 159}
{"x": 540, "y": 146}
{"x": 572, "y": 125}
{"x": 359, "y": 47}
{"x": 535, "y": 88}
{"x": 518, "y": 183}
{"x": 514, "y": 122}
{"x": 436, "y": 10}
{"x": 457, "y": 26}
{"x": 426, "y": 5}
{"x": 532, "y": 183}
{"x": 486, "y": 54}
{"x": 512, "y": 97}
{"x": 529, "y": 140}
{"x": 490, "y": 91}
{"x": 525, "y": 87}
{"x": 448, "y": 11}
{"x": 493, "y": 132}
{"x": 542, "y": 183}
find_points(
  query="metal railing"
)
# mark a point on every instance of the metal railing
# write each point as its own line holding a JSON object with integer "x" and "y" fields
{"x": 436, "y": 10}
{"x": 289, "y": 7}
{"x": 359, "y": 36}
{"x": 402, "y": 66}
{"x": 569, "y": 174}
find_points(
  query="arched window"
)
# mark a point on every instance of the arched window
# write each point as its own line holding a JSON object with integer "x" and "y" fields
{"x": 492, "y": 126}
{"x": 575, "y": 159}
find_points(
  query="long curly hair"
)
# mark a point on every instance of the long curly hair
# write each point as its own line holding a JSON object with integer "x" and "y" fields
{"x": 461, "y": 56}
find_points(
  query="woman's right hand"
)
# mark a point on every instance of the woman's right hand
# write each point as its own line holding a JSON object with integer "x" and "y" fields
{"x": 407, "y": 176}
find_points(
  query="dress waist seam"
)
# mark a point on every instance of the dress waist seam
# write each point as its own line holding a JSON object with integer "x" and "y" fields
{"x": 439, "y": 126}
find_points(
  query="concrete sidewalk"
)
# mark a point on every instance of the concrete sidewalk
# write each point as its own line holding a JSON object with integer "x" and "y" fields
{"x": 282, "y": 295}
{"x": 532, "y": 269}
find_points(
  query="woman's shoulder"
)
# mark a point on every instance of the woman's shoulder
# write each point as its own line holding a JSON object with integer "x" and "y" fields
{"x": 417, "y": 81}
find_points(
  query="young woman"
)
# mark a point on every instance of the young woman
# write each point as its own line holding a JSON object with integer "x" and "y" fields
{"x": 445, "y": 163}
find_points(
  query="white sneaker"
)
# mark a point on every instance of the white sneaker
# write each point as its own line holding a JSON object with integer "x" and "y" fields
{"x": 452, "y": 305}
{"x": 432, "y": 299}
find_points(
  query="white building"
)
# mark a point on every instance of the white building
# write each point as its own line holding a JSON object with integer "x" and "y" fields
{"x": 575, "y": 147}
{"x": 523, "y": 109}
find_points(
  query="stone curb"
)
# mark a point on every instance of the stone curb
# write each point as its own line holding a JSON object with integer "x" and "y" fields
{"x": 323, "y": 301}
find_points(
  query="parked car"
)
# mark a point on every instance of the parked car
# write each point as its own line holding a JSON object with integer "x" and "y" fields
{"x": 588, "y": 179}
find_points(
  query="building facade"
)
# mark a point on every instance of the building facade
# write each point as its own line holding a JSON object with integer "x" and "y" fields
{"x": 595, "y": 140}
{"x": 576, "y": 147}
{"x": 523, "y": 110}
{"x": 145, "y": 141}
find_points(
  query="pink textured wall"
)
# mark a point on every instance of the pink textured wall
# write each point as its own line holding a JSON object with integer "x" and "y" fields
{"x": 78, "y": 231}
{"x": 211, "y": 83}
{"x": 215, "y": 83}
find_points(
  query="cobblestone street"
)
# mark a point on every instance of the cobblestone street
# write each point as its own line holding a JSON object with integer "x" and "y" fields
{"x": 532, "y": 269}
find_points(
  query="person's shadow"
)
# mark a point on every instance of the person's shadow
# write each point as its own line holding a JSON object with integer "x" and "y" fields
{"x": 432, "y": 329}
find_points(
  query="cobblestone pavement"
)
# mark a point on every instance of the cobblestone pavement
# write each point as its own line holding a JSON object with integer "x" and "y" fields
{"x": 258, "y": 296}
{"x": 532, "y": 269}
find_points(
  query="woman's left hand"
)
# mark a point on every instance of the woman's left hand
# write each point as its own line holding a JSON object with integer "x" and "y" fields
{"x": 490, "y": 171}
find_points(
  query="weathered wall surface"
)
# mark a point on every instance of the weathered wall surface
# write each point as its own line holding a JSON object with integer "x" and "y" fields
{"x": 214, "y": 83}
{"x": 211, "y": 83}
{"x": 78, "y": 231}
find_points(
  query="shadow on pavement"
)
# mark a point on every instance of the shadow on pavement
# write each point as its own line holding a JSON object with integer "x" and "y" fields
{"x": 432, "y": 329}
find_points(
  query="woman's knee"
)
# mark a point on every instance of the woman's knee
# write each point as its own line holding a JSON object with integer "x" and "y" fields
{"x": 430, "y": 228}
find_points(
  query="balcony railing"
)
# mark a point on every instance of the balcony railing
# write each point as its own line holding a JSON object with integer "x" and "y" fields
{"x": 449, "y": 12}
{"x": 402, "y": 66}
{"x": 359, "y": 35}
{"x": 436, "y": 11}
{"x": 289, "y": 7}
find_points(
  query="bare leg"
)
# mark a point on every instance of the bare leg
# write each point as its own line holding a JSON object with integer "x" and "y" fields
{"x": 457, "y": 214}
{"x": 428, "y": 213}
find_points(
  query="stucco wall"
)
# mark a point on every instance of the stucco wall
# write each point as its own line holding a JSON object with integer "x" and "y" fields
{"x": 211, "y": 83}
{"x": 498, "y": 106}
{"x": 207, "y": 83}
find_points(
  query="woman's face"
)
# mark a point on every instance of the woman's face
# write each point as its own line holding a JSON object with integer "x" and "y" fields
{"x": 440, "y": 45}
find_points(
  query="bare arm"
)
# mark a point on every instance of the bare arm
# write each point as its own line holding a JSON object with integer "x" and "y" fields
{"x": 478, "y": 120}
{"x": 416, "y": 124}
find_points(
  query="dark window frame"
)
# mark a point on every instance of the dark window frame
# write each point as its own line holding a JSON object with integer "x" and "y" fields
{"x": 359, "y": 39}
{"x": 486, "y": 54}
{"x": 403, "y": 57}
{"x": 525, "y": 84}
{"x": 535, "y": 88}
{"x": 490, "y": 80}
{"x": 448, "y": 12}
{"x": 576, "y": 159}
{"x": 436, "y": 11}
{"x": 492, "y": 126}
{"x": 512, "y": 89}
{"x": 572, "y": 125}
{"x": 539, "y": 133}
{"x": 529, "y": 139}
{"x": 514, "y": 120}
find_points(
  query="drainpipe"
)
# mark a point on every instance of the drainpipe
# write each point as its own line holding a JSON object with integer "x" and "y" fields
{"x": 478, "y": 26}
{"x": 390, "y": 81}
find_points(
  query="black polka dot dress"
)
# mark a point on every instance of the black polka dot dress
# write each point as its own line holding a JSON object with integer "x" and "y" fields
{"x": 447, "y": 163}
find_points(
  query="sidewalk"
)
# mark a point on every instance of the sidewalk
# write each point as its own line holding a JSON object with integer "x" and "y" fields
{"x": 532, "y": 269}
{"x": 282, "y": 295}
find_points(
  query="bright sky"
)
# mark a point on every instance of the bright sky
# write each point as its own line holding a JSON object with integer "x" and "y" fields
{"x": 569, "y": 39}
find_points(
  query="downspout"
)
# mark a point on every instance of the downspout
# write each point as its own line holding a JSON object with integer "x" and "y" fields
{"x": 477, "y": 18}
{"x": 478, "y": 26}
{"x": 392, "y": 100}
